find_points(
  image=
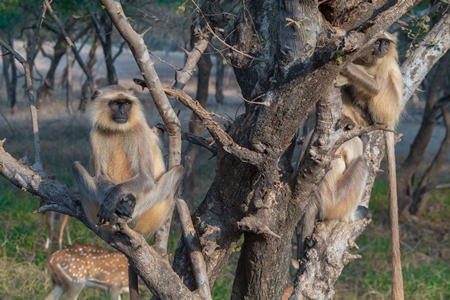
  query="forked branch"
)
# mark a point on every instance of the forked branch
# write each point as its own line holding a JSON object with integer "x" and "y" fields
{"x": 222, "y": 139}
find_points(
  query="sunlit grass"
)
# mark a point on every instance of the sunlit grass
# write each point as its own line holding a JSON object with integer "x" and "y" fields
{"x": 425, "y": 274}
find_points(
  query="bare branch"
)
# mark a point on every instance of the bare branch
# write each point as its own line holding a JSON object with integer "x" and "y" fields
{"x": 184, "y": 75}
{"x": 58, "y": 23}
{"x": 29, "y": 87}
{"x": 11, "y": 51}
{"x": 193, "y": 245}
{"x": 443, "y": 186}
{"x": 119, "y": 51}
{"x": 206, "y": 143}
{"x": 222, "y": 139}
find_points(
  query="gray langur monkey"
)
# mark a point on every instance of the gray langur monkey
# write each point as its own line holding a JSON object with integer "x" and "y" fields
{"x": 340, "y": 192}
{"x": 129, "y": 176}
{"x": 373, "y": 85}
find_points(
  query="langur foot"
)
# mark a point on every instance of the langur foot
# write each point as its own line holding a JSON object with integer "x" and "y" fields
{"x": 362, "y": 212}
{"x": 106, "y": 214}
{"x": 345, "y": 122}
{"x": 125, "y": 207}
{"x": 110, "y": 213}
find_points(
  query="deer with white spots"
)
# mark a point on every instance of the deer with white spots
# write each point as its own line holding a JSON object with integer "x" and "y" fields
{"x": 76, "y": 267}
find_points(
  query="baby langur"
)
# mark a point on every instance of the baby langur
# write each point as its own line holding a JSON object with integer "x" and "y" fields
{"x": 340, "y": 192}
{"x": 373, "y": 85}
{"x": 127, "y": 164}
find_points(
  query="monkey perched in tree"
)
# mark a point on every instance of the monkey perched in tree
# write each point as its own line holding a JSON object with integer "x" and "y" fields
{"x": 340, "y": 192}
{"x": 128, "y": 166}
{"x": 373, "y": 86}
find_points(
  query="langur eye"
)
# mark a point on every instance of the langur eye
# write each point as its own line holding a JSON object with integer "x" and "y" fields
{"x": 127, "y": 104}
{"x": 113, "y": 104}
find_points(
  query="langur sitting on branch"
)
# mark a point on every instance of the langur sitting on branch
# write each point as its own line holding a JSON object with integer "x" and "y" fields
{"x": 129, "y": 177}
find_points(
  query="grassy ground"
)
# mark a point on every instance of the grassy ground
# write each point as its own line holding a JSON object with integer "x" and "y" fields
{"x": 425, "y": 242}
{"x": 425, "y": 246}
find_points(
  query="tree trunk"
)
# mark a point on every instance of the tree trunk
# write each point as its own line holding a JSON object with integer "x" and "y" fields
{"x": 107, "y": 50}
{"x": 12, "y": 91}
{"x": 220, "y": 73}
{"x": 45, "y": 91}
{"x": 69, "y": 92}
{"x": 409, "y": 167}
{"x": 32, "y": 53}
{"x": 88, "y": 85}
{"x": 422, "y": 193}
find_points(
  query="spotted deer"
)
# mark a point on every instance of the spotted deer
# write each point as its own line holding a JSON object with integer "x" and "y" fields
{"x": 78, "y": 266}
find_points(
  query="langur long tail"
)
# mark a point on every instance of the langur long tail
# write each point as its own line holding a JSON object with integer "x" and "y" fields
{"x": 397, "y": 277}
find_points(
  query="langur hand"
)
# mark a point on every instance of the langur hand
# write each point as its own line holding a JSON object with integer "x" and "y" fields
{"x": 340, "y": 80}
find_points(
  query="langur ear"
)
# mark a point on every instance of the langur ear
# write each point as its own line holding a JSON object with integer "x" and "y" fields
{"x": 95, "y": 95}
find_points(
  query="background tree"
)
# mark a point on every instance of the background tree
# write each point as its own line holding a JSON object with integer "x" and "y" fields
{"x": 9, "y": 16}
{"x": 435, "y": 89}
{"x": 282, "y": 57}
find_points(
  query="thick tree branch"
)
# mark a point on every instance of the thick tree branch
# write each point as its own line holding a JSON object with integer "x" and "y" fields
{"x": 433, "y": 47}
{"x": 32, "y": 182}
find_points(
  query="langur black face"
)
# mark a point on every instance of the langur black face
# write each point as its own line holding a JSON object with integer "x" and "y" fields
{"x": 381, "y": 47}
{"x": 120, "y": 109}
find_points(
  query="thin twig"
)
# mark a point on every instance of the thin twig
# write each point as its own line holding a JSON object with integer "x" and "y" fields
{"x": 223, "y": 140}
{"x": 222, "y": 41}
{"x": 253, "y": 100}
{"x": 58, "y": 23}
